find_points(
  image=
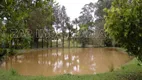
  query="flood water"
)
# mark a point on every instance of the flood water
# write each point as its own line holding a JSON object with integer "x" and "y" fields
{"x": 51, "y": 62}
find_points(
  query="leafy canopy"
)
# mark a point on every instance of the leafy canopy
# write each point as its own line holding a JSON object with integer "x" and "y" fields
{"x": 124, "y": 24}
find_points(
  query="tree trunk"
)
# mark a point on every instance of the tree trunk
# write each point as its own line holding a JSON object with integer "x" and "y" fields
{"x": 63, "y": 42}
{"x": 74, "y": 42}
{"x": 31, "y": 44}
{"x": 42, "y": 42}
{"x": 37, "y": 42}
{"x": 69, "y": 39}
{"x": 47, "y": 43}
{"x": 51, "y": 43}
{"x": 57, "y": 43}
{"x": 69, "y": 43}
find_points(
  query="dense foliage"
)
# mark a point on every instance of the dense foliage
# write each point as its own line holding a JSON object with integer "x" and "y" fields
{"x": 15, "y": 19}
{"x": 124, "y": 24}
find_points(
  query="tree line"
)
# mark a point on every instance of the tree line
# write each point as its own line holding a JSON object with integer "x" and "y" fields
{"x": 100, "y": 24}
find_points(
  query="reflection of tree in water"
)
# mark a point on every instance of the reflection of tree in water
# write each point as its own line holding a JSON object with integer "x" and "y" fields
{"x": 55, "y": 61}
{"x": 65, "y": 61}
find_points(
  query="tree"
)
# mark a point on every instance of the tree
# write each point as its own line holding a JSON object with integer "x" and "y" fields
{"x": 70, "y": 32}
{"x": 100, "y": 21}
{"x": 57, "y": 22}
{"x": 86, "y": 23}
{"x": 61, "y": 20}
{"x": 64, "y": 21}
{"x": 14, "y": 14}
{"x": 76, "y": 23}
{"x": 124, "y": 25}
{"x": 42, "y": 19}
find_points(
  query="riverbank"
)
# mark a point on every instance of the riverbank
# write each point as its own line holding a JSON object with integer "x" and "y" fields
{"x": 130, "y": 71}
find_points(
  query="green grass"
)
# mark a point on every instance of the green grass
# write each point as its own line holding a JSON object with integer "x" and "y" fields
{"x": 130, "y": 71}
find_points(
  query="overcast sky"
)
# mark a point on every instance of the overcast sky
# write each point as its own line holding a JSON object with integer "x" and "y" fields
{"x": 73, "y": 7}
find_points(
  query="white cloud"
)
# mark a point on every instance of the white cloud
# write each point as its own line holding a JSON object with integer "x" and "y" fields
{"x": 73, "y": 7}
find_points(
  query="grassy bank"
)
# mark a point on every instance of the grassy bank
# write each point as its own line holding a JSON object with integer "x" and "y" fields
{"x": 130, "y": 71}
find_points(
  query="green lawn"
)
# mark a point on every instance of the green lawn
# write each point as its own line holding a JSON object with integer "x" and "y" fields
{"x": 130, "y": 71}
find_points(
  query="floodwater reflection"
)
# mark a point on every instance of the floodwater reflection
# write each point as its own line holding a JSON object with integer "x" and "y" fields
{"x": 51, "y": 62}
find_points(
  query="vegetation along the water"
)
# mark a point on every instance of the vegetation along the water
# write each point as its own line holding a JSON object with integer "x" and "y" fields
{"x": 41, "y": 32}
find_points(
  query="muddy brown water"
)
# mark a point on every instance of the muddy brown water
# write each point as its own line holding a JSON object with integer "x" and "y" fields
{"x": 51, "y": 62}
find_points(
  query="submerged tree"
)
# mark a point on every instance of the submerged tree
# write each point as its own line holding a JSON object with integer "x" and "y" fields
{"x": 124, "y": 24}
